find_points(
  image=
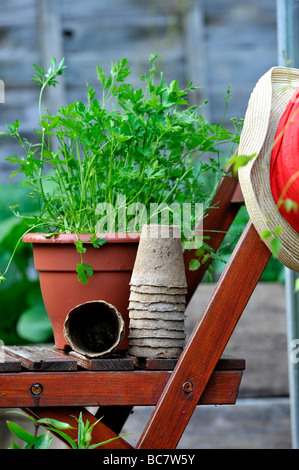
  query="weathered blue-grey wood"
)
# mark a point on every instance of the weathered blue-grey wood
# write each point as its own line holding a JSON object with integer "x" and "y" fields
{"x": 87, "y": 34}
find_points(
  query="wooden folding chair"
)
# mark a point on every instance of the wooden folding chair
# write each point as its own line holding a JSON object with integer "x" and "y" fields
{"x": 49, "y": 383}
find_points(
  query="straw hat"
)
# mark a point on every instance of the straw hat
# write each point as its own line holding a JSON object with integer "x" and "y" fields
{"x": 267, "y": 103}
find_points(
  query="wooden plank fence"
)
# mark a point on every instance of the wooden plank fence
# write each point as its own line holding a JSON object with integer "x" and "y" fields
{"x": 86, "y": 34}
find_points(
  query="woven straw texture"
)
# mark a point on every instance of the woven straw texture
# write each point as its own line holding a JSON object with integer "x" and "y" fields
{"x": 267, "y": 102}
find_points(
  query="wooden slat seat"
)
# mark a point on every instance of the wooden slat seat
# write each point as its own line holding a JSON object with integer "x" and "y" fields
{"x": 45, "y": 384}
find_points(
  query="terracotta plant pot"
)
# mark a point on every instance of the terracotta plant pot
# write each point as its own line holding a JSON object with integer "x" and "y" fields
{"x": 56, "y": 259}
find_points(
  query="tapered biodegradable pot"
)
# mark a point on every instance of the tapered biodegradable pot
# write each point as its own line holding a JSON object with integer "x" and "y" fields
{"x": 160, "y": 261}
{"x": 56, "y": 260}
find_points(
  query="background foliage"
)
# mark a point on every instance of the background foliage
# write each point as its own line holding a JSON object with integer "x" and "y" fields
{"x": 22, "y": 314}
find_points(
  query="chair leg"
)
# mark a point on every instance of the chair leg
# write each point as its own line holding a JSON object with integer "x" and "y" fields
{"x": 207, "y": 343}
{"x": 114, "y": 416}
{"x": 216, "y": 224}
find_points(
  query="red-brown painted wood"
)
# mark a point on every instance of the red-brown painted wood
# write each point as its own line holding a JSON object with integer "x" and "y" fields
{"x": 207, "y": 343}
{"x": 138, "y": 388}
{"x": 237, "y": 197}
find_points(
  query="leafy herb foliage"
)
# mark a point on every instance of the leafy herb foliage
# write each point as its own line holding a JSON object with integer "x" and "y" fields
{"x": 129, "y": 146}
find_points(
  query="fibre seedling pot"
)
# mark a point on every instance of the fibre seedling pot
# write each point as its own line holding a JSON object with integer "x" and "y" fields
{"x": 56, "y": 260}
{"x": 153, "y": 324}
{"x": 94, "y": 329}
{"x": 156, "y": 352}
{"x": 136, "y": 333}
{"x": 148, "y": 315}
{"x": 157, "y": 307}
{"x": 158, "y": 342}
{"x": 159, "y": 260}
{"x": 148, "y": 299}
{"x": 158, "y": 290}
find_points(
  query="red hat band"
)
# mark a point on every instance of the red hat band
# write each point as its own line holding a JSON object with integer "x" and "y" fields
{"x": 284, "y": 164}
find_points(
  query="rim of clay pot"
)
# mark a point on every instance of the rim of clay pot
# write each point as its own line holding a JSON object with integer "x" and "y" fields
{"x": 33, "y": 237}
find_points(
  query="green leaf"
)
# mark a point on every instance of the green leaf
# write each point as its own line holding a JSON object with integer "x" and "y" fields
{"x": 200, "y": 251}
{"x": 153, "y": 58}
{"x": 84, "y": 270}
{"x": 266, "y": 234}
{"x": 37, "y": 69}
{"x": 79, "y": 246}
{"x": 297, "y": 285}
{"x": 108, "y": 83}
{"x": 194, "y": 264}
{"x": 101, "y": 74}
{"x": 65, "y": 436}
{"x": 21, "y": 433}
{"x": 278, "y": 230}
{"x": 239, "y": 161}
{"x": 94, "y": 446}
{"x": 98, "y": 241}
{"x": 14, "y": 445}
{"x": 289, "y": 205}
{"x": 43, "y": 441}
{"x": 54, "y": 423}
{"x": 122, "y": 138}
{"x": 275, "y": 246}
{"x": 49, "y": 235}
{"x": 94, "y": 424}
{"x": 205, "y": 258}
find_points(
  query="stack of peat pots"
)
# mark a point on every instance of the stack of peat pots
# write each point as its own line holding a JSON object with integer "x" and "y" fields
{"x": 157, "y": 294}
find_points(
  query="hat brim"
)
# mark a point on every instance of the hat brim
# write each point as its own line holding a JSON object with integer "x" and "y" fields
{"x": 267, "y": 103}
